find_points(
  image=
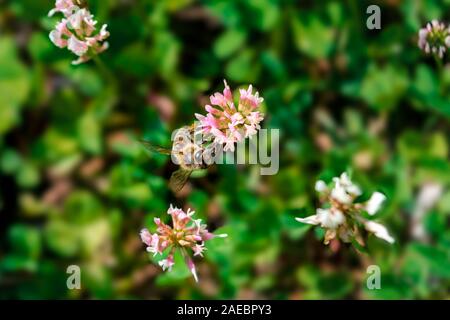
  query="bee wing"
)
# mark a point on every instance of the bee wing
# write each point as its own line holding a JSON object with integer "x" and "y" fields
{"x": 178, "y": 179}
{"x": 153, "y": 148}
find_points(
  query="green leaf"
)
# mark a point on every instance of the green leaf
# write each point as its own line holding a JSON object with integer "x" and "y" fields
{"x": 265, "y": 14}
{"x": 10, "y": 161}
{"x": 436, "y": 259}
{"x": 89, "y": 132}
{"x": 383, "y": 87}
{"x": 229, "y": 42}
{"x": 14, "y": 85}
{"x": 392, "y": 287}
{"x": 28, "y": 176}
{"x": 242, "y": 68}
{"x": 134, "y": 60}
{"x": 426, "y": 91}
{"x": 62, "y": 238}
{"x": 41, "y": 49}
{"x": 25, "y": 241}
{"x": 312, "y": 36}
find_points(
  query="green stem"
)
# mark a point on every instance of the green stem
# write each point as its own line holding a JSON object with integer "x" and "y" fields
{"x": 441, "y": 79}
{"x": 354, "y": 7}
{"x": 109, "y": 76}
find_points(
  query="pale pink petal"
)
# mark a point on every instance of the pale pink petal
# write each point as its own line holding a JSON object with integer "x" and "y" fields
{"x": 77, "y": 46}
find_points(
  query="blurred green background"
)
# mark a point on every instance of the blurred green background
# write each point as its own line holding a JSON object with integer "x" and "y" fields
{"x": 76, "y": 186}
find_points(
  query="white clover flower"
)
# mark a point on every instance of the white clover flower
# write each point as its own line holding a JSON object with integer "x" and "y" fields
{"x": 348, "y": 185}
{"x": 330, "y": 219}
{"x": 344, "y": 191}
{"x": 339, "y": 194}
{"x": 434, "y": 38}
{"x": 343, "y": 216}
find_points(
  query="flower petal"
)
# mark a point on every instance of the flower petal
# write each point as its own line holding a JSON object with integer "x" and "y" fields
{"x": 379, "y": 231}
{"x": 375, "y": 202}
{"x": 314, "y": 220}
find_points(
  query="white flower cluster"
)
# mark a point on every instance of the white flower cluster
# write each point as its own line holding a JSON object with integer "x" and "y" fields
{"x": 435, "y": 38}
{"x": 342, "y": 216}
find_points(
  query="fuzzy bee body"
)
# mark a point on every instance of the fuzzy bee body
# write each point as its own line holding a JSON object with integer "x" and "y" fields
{"x": 190, "y": 151}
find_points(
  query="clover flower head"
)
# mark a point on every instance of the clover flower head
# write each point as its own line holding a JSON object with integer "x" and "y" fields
{"x": 341, "y": 217}
{"x": 77, "y": 31}
{"x": 186, "y": 234}
{"x": 227, "y": 123}
{"x": 344, "y": 190}
{"x": 434, "y": 38}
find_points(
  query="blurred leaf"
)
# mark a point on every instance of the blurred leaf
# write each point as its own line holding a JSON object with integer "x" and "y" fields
{"x": 62, "y": 238}
{"x": 28, "y": 176}
{"x": 392, "y": 287}
{"x": 41, "y": 49}
{"x": 312, "y": 36}
{"x": 89, "y": 131}
{"x": 25, "y": 241}
{"x": 134, "y": 60}
{"x": 10, "y": 161}
{"x": 383, "y": 87}
{"x": 242, "y": 67}
{"x": 229, "y": 42}
{"x": 426, "y": 88}
{"x": 14, "y": 85}
{"x": 436, "y": 259}
{"x": 265, "y": 13}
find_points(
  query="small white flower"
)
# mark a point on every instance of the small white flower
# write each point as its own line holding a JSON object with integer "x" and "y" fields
{"x": 344, "y": 179}
{"x": 199, "y": 249}
{"x": 378, "y": 230}
{"x": 348, "y": 185}
{"x": 375, "y": 202}
{"x": 341, "y": 212}
{"x": 344, "y": 190}
{"x": 166, "y": 264}
{"x": 354, "y": 190}
{"x": 434, "y": 38}
{"x": 321, "y": 186}
{"x": 330, "y": 218}
{"x": 339, "y": 194}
